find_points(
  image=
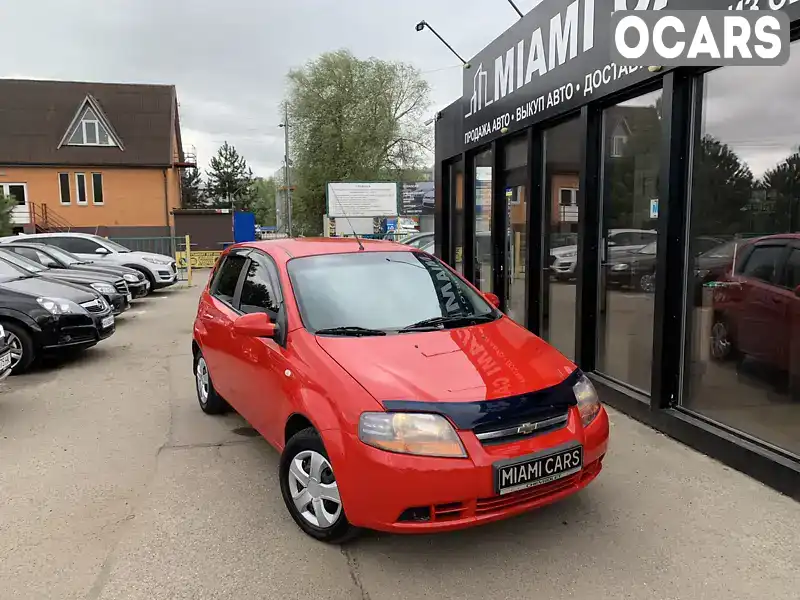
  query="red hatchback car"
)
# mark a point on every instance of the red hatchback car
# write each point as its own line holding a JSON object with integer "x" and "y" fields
{"x": 401, "y": 399}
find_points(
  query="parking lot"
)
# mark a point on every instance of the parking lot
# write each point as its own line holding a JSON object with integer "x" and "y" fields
{"x": 113, "y": 484}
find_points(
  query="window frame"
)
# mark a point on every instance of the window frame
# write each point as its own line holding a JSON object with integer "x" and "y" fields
{"x": 212, "y": 288}
{"x": 256, "y": 256}
{"x": 61, "y": 188}
{"x": 94, "y": 189}
{"x": 78, "y": 190}
{"x": 783, "y": 247}
{"x": 793, "y": 247}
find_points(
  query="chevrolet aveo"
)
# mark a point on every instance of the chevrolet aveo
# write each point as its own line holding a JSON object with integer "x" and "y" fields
{"x": 400, "y": 398}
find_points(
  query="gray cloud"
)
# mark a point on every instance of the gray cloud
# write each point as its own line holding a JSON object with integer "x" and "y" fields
{"x": 229, "y": 60}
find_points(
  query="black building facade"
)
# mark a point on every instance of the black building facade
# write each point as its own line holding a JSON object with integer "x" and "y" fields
{"x": 642, "y": 220}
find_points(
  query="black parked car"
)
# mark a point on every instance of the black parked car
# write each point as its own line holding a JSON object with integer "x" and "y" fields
{"x": 54, "y": 257}
{"x": 42, "y": 316}
{"x": 113, "y": 288}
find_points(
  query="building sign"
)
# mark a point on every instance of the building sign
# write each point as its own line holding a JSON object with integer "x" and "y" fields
{"x": 557, "y": 58}
{"x": 362, "y": 199}
{"x": 417, "y": 198}
{"x": 200, "y": 259}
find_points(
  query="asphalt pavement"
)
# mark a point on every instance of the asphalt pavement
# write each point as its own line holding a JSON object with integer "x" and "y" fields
{"x": 113, "y": 484}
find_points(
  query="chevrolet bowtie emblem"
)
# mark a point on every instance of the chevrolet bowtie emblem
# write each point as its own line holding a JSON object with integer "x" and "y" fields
{"x": 527, "y": 428}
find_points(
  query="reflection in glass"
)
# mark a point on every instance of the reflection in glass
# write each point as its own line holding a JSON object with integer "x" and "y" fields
{"x": 742, "y": 321}
{"x": 483, "y": 221}
{"x": 516, "y": 199}
{"x": 457, "y": 187}
{"x": 562, "y": 169}
{"x": 631, "y": 148}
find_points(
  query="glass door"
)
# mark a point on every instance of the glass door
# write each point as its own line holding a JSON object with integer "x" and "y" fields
{"x": 484, "y": 269}
{"x": 515, "y": 201}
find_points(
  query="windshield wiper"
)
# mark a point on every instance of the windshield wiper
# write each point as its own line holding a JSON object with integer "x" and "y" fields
{"x": 444, "y": 322}
{"x": 350, "y": 330}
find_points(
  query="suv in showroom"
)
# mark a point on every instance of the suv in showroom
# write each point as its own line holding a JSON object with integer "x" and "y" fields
{"x": 159, "y": 269}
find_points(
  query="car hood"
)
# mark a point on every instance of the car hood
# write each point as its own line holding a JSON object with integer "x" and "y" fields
{"x": 109, "y": 269}
{"x": 562, "y": 250}
{"x": 161, "y": 257}
{"x": 485, "y": 362}
{"x": 81, "y": 277}
{"x": 50, "y": 288}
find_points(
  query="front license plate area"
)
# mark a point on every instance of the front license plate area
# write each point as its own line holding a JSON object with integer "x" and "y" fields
{"x": 544, "y": 467}
{"x": 5, "y": 360}
{"x": 107, "y": 322}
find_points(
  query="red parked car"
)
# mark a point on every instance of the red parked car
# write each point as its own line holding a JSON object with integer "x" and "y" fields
{"x": 401, "y": 399}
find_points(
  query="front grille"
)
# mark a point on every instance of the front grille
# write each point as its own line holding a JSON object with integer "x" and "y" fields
{"x": 121, "y": 287}
{"x": 520, "y": 429}
{"x": 95, "y": 306}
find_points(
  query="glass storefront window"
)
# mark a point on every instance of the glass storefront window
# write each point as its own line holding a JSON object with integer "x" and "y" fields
{"x": 560, "y": 208}
{"x": 516, "y": 199}
{"x": 742, "y": 318}
{"x": 631, "y": 163}
{"x": 483, "y": 221}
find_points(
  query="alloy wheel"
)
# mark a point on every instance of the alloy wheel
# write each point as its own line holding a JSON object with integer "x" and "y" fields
{"x": 16, "y": 348}
{"x": 201, "y": 375}
{"x": 647, "y": 283}
{"x": 720, "y": 341}
{"x": 314, "y": 490}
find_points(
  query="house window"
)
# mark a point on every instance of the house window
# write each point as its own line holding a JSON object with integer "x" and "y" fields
{"x": 618, "y": 145}
{"x": 80, "y": 185}
{"x": 568, "y": 197}
{"x": 97, "y": 188}
{"x": 90, "y": 129}
{"x": 63, "y": 185}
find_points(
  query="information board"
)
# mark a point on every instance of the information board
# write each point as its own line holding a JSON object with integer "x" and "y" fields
{"x": 362, "y": 199}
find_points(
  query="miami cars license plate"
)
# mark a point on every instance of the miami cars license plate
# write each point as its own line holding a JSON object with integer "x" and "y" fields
{"x": 537, "y": 469}
{"x": 107, "y": 322}
{"x": 5, "y": 361}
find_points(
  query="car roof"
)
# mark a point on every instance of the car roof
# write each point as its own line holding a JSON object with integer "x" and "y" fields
{"x": 301, "y": 247}
{"x": 59, "y": 234}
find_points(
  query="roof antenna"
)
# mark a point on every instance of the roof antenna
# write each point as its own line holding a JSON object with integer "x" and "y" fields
{"x": 360, "y": 245}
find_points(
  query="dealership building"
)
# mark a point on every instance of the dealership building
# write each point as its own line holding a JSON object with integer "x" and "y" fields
{"x": 643, "y": 220}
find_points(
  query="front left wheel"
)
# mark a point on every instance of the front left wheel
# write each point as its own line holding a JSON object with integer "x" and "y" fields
{"x": 210, "y": 401}
{"x": 310, "y": 490}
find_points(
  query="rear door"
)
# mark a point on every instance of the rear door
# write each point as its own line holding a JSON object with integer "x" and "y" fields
{"x": 761, "y": 314}
{"x": 217, "y": 314}
{"x": 262, "y": 362}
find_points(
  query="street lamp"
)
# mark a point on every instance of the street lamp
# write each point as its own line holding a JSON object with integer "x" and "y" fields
{"x": 423, "y": 24}
{"x": 287, "y": 184}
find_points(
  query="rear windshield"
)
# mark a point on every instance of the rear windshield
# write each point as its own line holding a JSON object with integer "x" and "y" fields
{"x": 379, "y": 290}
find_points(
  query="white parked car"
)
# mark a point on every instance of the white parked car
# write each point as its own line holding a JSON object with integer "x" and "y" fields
{"x": 563, "y": 260}
{"x": 159, "y": 269}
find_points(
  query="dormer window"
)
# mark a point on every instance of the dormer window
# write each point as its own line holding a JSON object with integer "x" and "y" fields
{"x": 90, "y": 127}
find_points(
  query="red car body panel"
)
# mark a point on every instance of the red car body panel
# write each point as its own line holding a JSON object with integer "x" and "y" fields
{"x": 331, "y": 381}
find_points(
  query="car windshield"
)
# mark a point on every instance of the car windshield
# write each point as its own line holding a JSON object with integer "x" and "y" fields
{"x": 382, "y": 291}
{"x": 9, "y": 272}
{"x": 66, "y": 257}
{"x": 112, "y": 245}
{"x": 649, "y": 249}
{"x": 22, "y": 262}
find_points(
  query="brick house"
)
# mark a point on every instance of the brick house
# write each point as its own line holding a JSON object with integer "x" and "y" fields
{"x": 92, "y": 157}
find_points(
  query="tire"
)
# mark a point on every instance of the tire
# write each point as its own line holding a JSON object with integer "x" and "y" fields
{"x": 722, "y": 346}
{"x": 646, "y": 283}
{"x": 210, "y": 401}
{"x": 21, "y": 342}
{"x": 304, "y": 449}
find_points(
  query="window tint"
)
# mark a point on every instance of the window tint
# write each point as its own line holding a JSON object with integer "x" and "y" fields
{"x": 763, "y": 263}
{"x": 63, "y": 183}
{"x": 28, "y": 253}
{"x": 80, "y": 185}
{"x": 97, "y": 188}
{"x": 227, "y": 277}
{"x": 258, "y": 293}
{"x": 792, "y": 274}
{"x": 74, "y": 244}
{"x": 622, "y": 239}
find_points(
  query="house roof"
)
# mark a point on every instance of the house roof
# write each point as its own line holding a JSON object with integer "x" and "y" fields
{"x": 35, "y": 116}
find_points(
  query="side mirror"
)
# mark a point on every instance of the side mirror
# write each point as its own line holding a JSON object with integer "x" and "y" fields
{"x": 255, "y": 325}
{"x": 492, "y": 299}
{"x": 101, "y": 250}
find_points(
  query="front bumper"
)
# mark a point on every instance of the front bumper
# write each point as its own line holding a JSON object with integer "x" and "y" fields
{"x": 138, "y": 290}
{"x": 119, "y": 302}
{"x": 165, "y": 276}
{"x": 76, "y": 331}
{"x": 563, "y": 267}
{"x": 378, "y": 487}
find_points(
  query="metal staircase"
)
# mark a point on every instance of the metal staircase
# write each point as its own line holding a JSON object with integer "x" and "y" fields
{"x": 45, "y": 220}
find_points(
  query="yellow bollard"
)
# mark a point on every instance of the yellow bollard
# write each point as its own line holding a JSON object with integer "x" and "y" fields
{"x": 188, "y": 255}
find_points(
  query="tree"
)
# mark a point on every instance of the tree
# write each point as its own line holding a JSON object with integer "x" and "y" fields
{"x": 352, "y": 120}
{"x": 783, "y": 190}
{"x": 722, "y": 186}
{"x": 230, "y": 179}
{"x": 191, "y": 194}
{"x": 264, "y": 192}
{"x": 7, "y": 205}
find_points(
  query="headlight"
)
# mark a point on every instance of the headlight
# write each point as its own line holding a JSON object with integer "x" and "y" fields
{"x": 571, "y": 254}
{"x": 60, "y": 306}
{"x": 2, "y": 333}
{"x": 588, "y": 401}
{"x": 156, "y": 261}
{"x": 621, "y": 267}
{"x": 411, "y": 433}
{"x": 702, "y": 273}
{"x": 130, "y": 278}
{"x": 104, "y": 288}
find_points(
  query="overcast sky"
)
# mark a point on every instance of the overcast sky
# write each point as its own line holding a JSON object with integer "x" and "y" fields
{"x": 229, "y": 59}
